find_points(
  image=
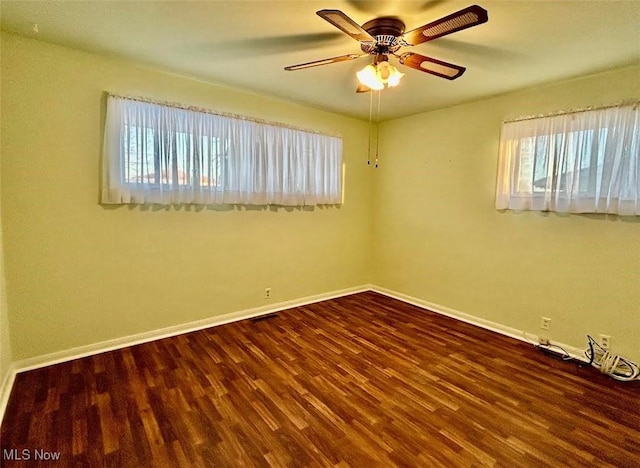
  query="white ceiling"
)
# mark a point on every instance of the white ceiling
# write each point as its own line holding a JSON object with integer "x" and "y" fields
{"x": 246, "y": 44}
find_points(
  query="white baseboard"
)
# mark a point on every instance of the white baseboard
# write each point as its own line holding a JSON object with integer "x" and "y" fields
{"x": 521, "y": 335}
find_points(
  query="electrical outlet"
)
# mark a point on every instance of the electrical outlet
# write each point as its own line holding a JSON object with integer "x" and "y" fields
{"x": 267, "y": 293}
{"x": 545, "y": 323}
{"x": 605, "y": 341}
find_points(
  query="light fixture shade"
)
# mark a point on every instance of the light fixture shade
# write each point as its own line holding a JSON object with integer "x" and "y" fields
{"x": 394, "y": 78}
{"x": 368, "y": 76}
{"x": 384, "y": 71}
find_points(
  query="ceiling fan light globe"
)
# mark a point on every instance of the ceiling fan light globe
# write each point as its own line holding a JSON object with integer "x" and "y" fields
{"x": 394, "y": 78}
{"x": 368, "y": 77}
{"x": 384, "y": 71}
{"x": 375, "y": 85}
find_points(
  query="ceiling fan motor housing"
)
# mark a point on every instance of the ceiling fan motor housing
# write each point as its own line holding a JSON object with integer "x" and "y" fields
{"x": 387, "y": 32}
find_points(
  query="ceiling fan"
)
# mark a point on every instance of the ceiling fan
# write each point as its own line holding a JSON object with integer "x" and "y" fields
{"x": 385, "y": 36}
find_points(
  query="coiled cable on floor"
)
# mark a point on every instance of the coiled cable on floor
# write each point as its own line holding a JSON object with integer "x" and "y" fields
{"x": 611, "y": 364}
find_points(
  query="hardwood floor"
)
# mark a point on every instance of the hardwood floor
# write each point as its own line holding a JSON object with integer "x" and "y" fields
{"x": 362, "y": 380}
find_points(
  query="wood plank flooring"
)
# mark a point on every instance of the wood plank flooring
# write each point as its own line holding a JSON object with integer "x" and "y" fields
{"x": 362, "y": 380}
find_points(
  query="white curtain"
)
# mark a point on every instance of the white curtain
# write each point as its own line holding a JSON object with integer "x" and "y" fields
{"x": 580, "y": 162}
{"x": 157, "y": 154}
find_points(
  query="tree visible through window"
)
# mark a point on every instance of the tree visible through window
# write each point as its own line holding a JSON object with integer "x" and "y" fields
{"x": 143, "y": 165}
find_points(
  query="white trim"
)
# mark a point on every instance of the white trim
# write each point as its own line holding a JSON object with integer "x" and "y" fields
{"x": 131, "y": 340}
{"x": 5, "y": 389}
{"x": 521, "y": 335}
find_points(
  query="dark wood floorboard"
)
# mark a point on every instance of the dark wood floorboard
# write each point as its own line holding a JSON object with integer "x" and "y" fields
{"x": 362, "y": 380}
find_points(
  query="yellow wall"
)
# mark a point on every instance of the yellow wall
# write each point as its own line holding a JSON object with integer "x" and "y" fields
{"x": 78, "y": 273}
{"x": 438, "y": 237}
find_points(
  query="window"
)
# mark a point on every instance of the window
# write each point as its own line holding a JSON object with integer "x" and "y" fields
{"x": 578, "y": 162}
{"x": 143, "y": 164}
{"x": 158, "y": 154}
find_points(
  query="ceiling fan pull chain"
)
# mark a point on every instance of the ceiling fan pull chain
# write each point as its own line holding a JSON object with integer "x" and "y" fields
{"x": 369, "y": 140}
{"x": 377, "y": 129}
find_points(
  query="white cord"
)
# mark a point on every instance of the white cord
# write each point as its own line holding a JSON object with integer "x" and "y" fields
{"x": 611, "y": 364}
{"x": 377, "y": 129}
{"x": 618, "y": 367}
{"x": 370, "y": 114}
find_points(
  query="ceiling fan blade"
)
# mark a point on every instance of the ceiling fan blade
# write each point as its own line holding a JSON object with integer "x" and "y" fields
{"x": 432, "y": 66}
{"x": 362, "y": 88}
{"x": 327, "y": 61}
{"x": 463, "y": 19}
{"x": 346, "y": 25}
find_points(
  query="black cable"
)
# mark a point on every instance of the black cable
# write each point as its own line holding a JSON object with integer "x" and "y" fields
{"x": 592, "y": 350}
{"x": 591, "y": 341}
{"x": 547, "y": 348}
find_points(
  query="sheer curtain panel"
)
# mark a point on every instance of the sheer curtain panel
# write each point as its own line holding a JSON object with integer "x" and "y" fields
{"x": 578, "y": 162}
{"x": 160, "y": 154}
